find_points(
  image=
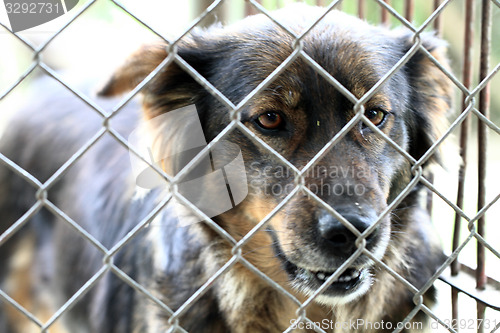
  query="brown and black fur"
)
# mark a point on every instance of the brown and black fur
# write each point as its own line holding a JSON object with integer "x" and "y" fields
{"x": 173, "y": 262}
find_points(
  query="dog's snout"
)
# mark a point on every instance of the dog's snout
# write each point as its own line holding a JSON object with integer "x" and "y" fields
{"x": 338, "y": 236}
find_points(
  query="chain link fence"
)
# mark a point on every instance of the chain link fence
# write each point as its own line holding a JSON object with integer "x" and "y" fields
{"x": 474, "y": 107}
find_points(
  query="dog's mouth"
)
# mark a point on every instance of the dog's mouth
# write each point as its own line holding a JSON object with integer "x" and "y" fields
{"x": 346, "y": 281}
{"x": 352, "y": 283}
{"x": 349, "y": 285}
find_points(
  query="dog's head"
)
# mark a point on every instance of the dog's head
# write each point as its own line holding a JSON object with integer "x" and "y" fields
{"x": 350, "y": 185}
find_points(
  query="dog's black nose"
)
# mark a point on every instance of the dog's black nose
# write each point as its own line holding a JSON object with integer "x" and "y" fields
{"x": 339, "y": 236}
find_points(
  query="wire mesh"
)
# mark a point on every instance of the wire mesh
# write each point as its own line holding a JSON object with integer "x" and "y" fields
{"x": 470, "y": 107}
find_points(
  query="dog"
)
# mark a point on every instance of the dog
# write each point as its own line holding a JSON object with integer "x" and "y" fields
{"x": 338, "y": 242}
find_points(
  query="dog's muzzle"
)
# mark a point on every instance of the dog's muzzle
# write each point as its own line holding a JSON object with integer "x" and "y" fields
{"x": 336, "y": 236}
{"x": 337, "y": 243}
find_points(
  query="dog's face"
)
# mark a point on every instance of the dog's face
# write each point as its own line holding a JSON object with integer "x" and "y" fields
{"x": 297, "y": 114}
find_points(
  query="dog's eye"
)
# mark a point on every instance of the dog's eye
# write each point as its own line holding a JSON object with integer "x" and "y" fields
{"x": 376, "y": 116}
{"x": 270, "y": 120}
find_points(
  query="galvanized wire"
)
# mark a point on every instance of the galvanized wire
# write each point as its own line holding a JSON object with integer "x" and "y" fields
{"x": 42, "y": 189}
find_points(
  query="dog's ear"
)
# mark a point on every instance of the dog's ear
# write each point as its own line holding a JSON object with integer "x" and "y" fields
{"x": 431, "y": 95}
{"x": 171, "y": 88}
{"x": 134, "y": 70}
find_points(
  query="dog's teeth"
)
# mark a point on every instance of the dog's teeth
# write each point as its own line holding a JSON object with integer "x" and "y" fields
{"x": 347, "y": 278}
{"x": 344, "y": 279}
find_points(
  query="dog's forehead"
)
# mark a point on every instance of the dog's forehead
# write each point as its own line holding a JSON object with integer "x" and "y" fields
{"x": 352, "y": 51}
{"x": 299, "y": 17}
{"x": 311, "y": 25}
{"x": 353, "y": 62}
